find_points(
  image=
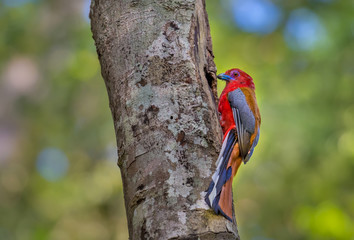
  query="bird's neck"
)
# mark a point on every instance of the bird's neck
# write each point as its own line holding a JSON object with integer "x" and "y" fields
{"x": 231, "y": 87}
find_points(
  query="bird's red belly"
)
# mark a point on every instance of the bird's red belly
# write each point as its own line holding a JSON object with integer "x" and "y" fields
{"x": 226, "y": 118}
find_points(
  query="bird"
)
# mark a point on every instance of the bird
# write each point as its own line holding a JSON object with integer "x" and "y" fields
{"x": 240, "y": 121}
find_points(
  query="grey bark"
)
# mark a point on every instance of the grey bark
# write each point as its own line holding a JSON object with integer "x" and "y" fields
{"x": 157, "y": 62}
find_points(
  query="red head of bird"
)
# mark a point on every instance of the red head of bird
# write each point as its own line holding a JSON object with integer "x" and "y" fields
{"x": 236, "y": 78}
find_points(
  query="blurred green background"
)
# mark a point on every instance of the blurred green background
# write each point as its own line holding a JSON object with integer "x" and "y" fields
{"x": 58, "y": 176}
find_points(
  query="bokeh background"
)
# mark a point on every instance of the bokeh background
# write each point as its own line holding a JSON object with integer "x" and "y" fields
{"x": 58, "y": 173}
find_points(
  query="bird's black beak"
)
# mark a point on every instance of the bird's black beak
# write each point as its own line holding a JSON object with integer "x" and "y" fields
{"x": 224, "y": 77}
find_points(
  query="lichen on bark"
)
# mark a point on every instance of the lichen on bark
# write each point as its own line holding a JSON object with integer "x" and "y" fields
{"x": 157, "y": 63}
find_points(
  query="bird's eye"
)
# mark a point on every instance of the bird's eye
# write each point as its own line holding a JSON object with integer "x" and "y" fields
{"x": 235, "y": 74}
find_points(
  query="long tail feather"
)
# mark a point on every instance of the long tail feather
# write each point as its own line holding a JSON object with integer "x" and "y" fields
{"x": 219, "y": 193}
{"x": 225, "y": 202}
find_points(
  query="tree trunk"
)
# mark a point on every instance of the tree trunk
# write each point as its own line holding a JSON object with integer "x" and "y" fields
{"x": 157, "y": 62}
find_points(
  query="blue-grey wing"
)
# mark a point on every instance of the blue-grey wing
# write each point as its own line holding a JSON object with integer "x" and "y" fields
{"x": 254, "y": 144}
{"x": 244, "y": 120}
